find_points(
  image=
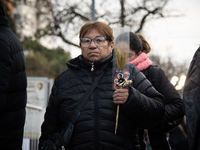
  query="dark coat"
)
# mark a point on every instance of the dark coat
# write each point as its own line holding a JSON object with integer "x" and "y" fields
{"x": 95, "y": 127}
{"x": 173, "y": 107}
{"x": 13, "y": 83}
{"x": 191, "y": 100}
{"x": 178, "y": 138}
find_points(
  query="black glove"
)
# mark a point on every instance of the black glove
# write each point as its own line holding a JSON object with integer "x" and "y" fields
{"x": 54, "y": 143}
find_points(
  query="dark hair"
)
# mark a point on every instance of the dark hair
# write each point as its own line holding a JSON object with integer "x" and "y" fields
{"x": 137, "y": 42}
{"x": 146, "y": 47}
{"x": 101, "y": 27}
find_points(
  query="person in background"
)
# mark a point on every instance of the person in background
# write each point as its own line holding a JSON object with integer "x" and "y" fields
{"x": 178, "y": 137}
{"x": 191, "y": 100}
{"x": 13, "y": 84}
{"x": 138, "y": 56}
{"x": 95, "y": 127}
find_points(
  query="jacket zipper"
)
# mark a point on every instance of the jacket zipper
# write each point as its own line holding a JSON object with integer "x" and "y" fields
{"x": 96, "y": 123}
{"x": 95, "y": 113}
{"x": 92, "y": 67}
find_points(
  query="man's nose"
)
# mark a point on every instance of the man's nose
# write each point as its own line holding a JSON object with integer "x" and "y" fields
{"x": 92, "y": 43}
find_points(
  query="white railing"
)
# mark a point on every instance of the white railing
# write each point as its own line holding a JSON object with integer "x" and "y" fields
{"x": 38, "y": 90}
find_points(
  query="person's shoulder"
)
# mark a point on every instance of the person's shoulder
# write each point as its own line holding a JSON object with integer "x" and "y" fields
{"x": 155, "y": 69}
{"x": 133, "y": 68}
{"x": 62, "y": 77}
{"x": 62, "y": 74}
{"x": 67, "y": 74}
{"x": 155, "y": 73}
{"x": 10, "y": 39}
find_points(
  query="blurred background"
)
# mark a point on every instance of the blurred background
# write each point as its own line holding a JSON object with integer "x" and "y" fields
{"x": 48, "y": 30}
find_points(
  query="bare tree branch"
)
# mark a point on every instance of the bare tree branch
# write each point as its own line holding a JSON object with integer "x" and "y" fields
{"x": 66, "y": 17}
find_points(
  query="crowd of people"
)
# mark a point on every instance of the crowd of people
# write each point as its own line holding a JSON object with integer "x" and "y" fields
{"x": 150, "y": 112}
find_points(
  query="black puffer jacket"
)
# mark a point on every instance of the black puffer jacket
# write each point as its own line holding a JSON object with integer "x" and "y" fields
{"x": 191, "y": 99}
{"x": 95, "y": 127}
{"x": 13, "y": 83}
{"x": 173, "y": 107}
{"x": 173, "y": 102}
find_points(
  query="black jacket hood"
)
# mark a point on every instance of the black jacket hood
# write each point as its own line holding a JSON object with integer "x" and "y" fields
{"x": 3, "y": 20}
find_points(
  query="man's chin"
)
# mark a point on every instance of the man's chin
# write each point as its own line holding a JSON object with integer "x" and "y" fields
{"x": 94, "y": 59}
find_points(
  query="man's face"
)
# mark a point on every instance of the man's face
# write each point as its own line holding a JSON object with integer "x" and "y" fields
{"x": 94, "y": 53}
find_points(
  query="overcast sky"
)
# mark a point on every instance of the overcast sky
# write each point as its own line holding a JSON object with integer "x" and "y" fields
{"x": 179, "y": 37}
{"x": 176, "y": 37}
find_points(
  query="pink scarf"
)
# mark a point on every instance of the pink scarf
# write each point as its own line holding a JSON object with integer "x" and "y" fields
{"x": 142, "y": 61}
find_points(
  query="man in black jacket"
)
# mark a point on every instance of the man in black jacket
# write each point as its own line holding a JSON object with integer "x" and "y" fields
{"x": 13, "y": 83}
{"x": 140, "y": 104}
{"x": 191, "y": 100}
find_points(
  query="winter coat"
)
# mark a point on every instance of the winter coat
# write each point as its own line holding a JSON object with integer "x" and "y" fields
{"x": 173, "y": 102}
{"x": 178, "y": 137}
{"x": 173, "y": 108}
{"x": 13, "y": 83}
{"x": 95, "y": 127}
{"x": 191, "y": 100}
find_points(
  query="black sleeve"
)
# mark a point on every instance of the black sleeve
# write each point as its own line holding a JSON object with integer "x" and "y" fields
{"x": 6, "y": 64}
{"x": 173, "y": 102}
{"x": 51, "y": 121}
{"x": 144, "y": 105}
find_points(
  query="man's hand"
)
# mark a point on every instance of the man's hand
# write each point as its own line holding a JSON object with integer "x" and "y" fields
{"x": 120, "y": 96}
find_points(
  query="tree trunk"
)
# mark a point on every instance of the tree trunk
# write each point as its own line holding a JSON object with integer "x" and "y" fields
{"x": 122, "y": 17}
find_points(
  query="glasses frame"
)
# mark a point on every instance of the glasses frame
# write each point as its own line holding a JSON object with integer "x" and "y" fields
{"x": 92, "y": 40}
{"x": 130, "y": 55}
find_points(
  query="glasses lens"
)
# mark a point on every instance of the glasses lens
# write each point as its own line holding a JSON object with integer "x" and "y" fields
{"x": 130, "y": 55}
{"x": 85, "y": 42}
{"x": 100, "y": 40}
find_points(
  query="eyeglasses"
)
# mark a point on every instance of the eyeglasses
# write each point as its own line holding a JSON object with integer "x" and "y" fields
{"x": 130, "y": 55}
{"x": 99, "y": 40}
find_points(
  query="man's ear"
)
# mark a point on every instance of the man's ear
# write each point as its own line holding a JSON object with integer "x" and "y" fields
{"x": 112, "y": 44}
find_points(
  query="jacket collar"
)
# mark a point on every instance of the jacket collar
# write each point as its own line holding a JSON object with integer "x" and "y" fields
{"x": 79, "y": 62}
{"x": 3, "y": 20}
